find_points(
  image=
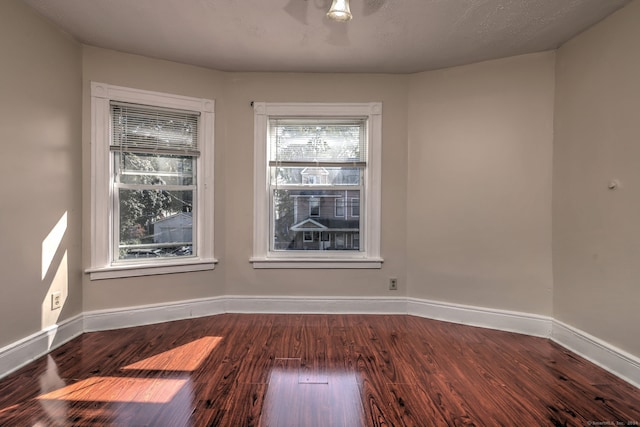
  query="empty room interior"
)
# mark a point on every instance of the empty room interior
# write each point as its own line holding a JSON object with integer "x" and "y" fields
{"x": 316, "y": 213}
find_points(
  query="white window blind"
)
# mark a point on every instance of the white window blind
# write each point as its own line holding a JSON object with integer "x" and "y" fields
{"x": 142, "y": 128}
{"x": 311, "y": 142}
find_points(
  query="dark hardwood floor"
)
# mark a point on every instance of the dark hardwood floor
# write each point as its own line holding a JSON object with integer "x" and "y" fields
{"x": 313, "y": 370}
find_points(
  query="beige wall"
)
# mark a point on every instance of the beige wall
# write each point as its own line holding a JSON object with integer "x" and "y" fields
{"x": 596, "y": 231}
{"x": 107, "y": 66}
{"x": 233, "y": 93}
{"x": 479, "y": 184}
{"x": 40, "y": 111}
{"x": 241, "y": 278}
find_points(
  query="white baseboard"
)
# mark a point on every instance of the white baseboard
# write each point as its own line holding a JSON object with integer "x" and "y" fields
{"x": 503, "y": 320}
{"x": 103, "y": 320}
{"x": 22, "y": 352}
{"x": 603, "y": 354}
{"x": 315, "y": 305}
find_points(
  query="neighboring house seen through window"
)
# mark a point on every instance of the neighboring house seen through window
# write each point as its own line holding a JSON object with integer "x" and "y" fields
{"x": 316, "y": 158}
{"x": 150, "y": 151}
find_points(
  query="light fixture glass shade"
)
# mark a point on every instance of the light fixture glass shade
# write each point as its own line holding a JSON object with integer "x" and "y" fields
{"x": 339, "y": 11}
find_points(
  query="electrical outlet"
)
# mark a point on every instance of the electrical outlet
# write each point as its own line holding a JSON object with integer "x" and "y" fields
{"x": 393, "y": 284}
{"x": 56, "y": 300}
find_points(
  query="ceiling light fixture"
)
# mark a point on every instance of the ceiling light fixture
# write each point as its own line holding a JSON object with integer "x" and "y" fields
{"x": 339, "y": 11}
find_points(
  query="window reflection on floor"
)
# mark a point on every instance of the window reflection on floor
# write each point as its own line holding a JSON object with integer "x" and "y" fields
{"x": 293, "y": 401}
{"x": 50, "y": 380}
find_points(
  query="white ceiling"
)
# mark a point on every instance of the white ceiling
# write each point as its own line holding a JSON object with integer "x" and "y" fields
{"x": 385, "y": 36}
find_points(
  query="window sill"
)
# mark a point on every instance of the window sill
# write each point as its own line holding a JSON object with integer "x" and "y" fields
{"x": 150, "y": 269}
{"x": 319, "y": 263}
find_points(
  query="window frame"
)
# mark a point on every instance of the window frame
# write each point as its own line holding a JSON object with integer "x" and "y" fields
{"x": 103, "y": 264}
{"x": 369, "y": 255}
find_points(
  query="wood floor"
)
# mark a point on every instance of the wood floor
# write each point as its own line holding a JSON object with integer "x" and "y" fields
{"x": 313, "y": 370}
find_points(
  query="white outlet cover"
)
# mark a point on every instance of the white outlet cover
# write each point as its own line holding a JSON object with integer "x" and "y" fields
{"x": 56, "y": 300}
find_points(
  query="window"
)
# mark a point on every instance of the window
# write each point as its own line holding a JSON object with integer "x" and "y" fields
{"x": 310, "y": 159}
{"x": 314, "y": 207}
{"x": 152, "y": 186}
{"x": 339, "y": 207}
{"x": 355, "y": 207}
{"x": 154, "y": 153}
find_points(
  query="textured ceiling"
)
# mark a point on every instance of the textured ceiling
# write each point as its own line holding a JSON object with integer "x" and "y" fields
{"x": 385, "y": 36}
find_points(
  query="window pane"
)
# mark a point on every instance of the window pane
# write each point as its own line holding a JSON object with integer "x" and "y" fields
{"x": 340, "y": 207}
{"x": 355, "y": 207}
{"x": 315, "y": 176}
{"x": 155, "y": 223}
{"x": 306, "y": 220}
{"x": 314, "y": 206}
{"x": 157, "y": 169}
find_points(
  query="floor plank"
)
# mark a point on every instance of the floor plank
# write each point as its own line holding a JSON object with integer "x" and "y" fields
{"x": 264, "y": 370}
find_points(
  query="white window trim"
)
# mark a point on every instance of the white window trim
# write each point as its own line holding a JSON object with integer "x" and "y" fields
{"x": 369, "y": 257}
{"x": 102, "y": 265}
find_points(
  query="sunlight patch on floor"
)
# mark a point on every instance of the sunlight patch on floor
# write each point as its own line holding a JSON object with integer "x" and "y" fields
{"x": 113, "y": 389}
{"x": 187, "y": 357}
